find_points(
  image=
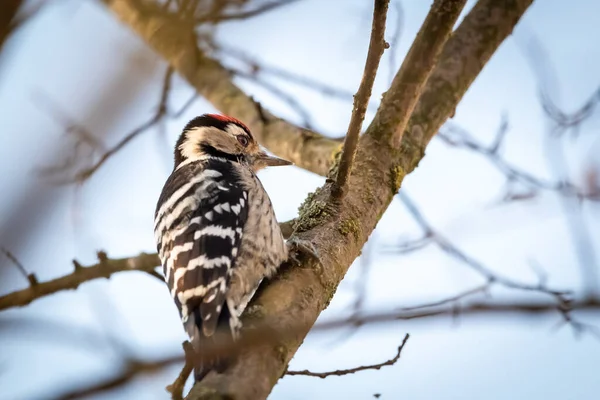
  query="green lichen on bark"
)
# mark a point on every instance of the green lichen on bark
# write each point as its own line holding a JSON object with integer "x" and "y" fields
{"x": 335, "y": 162}
{"x": 368, "y": 195}
{"x": 330, "y": 289}
{"x": 397, "y": 174}
{"x": 312, "y": 213}
{"x": 350, "y": 226}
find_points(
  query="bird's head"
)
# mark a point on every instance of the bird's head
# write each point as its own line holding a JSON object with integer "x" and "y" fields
{"x": 213, "y": 135}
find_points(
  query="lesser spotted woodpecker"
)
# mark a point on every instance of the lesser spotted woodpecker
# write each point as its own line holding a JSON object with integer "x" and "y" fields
{"x": 215, "y": 229}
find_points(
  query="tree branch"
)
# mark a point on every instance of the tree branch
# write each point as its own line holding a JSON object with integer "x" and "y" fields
{"x": 161, "y": 111}
{"x": 176, "y": 43}
{"x": 435, "y": 310}
{"x": 260, "y": 10}
{"x": 341, "y": 372}
{"x": 298, "y": 295}
{"x": 417, "y": 66}
{"x": 361, "y": 100}
{"x": 131, "y": 370}
{"x": 458, "y": 137}
{"x": 104, "y": 269}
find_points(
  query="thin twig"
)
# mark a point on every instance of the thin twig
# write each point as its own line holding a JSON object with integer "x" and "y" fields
{"x": 104, "y": 269}
{"x": 453, "y": 251}
{"x": 455, "y": 136}
{"x": 131, "y": 370}
{"x": 377, "y": 45}
{"x": 341, "y": 372}
{"x": 30, "y": 277}
{"x": 563, "y": 298}
{"x": 176, "y": 388}
{"x": 215, "y": 18}
{"x": 292, "y": 102}
{"x": 395, "y": 40}
{"x": 279, "y": 73}
{"x": 161, "y": 111}
{"x": 451, "y": 299}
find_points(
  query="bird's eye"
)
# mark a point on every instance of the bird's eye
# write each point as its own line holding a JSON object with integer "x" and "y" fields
{"x": 243, "y": 140}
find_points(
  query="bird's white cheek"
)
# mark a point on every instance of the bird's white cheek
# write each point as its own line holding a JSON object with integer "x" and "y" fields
{"x": 189, "y": 149}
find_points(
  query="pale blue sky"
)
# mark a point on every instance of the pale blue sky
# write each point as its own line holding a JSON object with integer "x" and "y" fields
{"x": 78, "y": 54}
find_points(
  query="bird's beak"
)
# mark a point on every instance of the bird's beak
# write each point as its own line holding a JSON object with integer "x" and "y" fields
{"x": 262, "y": 160}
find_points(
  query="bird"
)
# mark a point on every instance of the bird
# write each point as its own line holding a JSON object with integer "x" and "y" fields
{"x": 216, "y": 232}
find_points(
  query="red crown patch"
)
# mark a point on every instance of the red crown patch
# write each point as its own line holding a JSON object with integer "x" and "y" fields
{"x": 226, "y": 118}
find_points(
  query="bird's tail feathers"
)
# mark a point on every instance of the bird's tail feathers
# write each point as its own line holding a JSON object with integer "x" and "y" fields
{"x": 203, "y": 364}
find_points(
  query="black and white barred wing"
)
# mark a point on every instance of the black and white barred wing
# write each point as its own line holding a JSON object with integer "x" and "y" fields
{"x": 198, "y": 252}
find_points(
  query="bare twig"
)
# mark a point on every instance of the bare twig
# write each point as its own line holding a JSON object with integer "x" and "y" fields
{"x": 453, "y": 135}
{"x": 176, "y": 388}
{"x": 395, "y": 40}
{"x": 30, "y": 277}
{"x": 215, "y": 18}
{"x": 131, "y": 370}
{"x": 563, "y": 300}
{"x": 341, "y": 372}
{"x": 453, "y": 251}
{"x": 452, "y": 299}
{"x": 258, "y": 68}
{"x": 569, "y": 121}
{"x": 104, "y": 269}
{"x": 561, "y": 123}
{"x": 185, "y": 107}
{"x": 292, "y": 102}
{"x": 361, "y": 100}
{"x": 161, "y": 111}
{"x": 84, "y": 145}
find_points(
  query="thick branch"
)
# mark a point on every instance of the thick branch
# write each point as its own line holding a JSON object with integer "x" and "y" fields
{"x": 417, "y": 66}
{"x": 104, "y": 269}
{"x": 298, "y": 295}
{"x": 175, "y": 42}
{"x": 361, "y": 99}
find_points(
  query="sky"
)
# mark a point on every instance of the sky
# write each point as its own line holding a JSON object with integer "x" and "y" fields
{"x": 74, "y": 57}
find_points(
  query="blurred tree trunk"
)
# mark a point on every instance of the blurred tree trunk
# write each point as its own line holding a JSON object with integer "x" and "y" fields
{"x": 8, "y": 11}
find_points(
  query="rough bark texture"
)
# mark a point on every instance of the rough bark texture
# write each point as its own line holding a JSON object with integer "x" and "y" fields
{"x": 339, "y": 231}
{"x": 175, "y": 42}
{"x": 408, "y": 83}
